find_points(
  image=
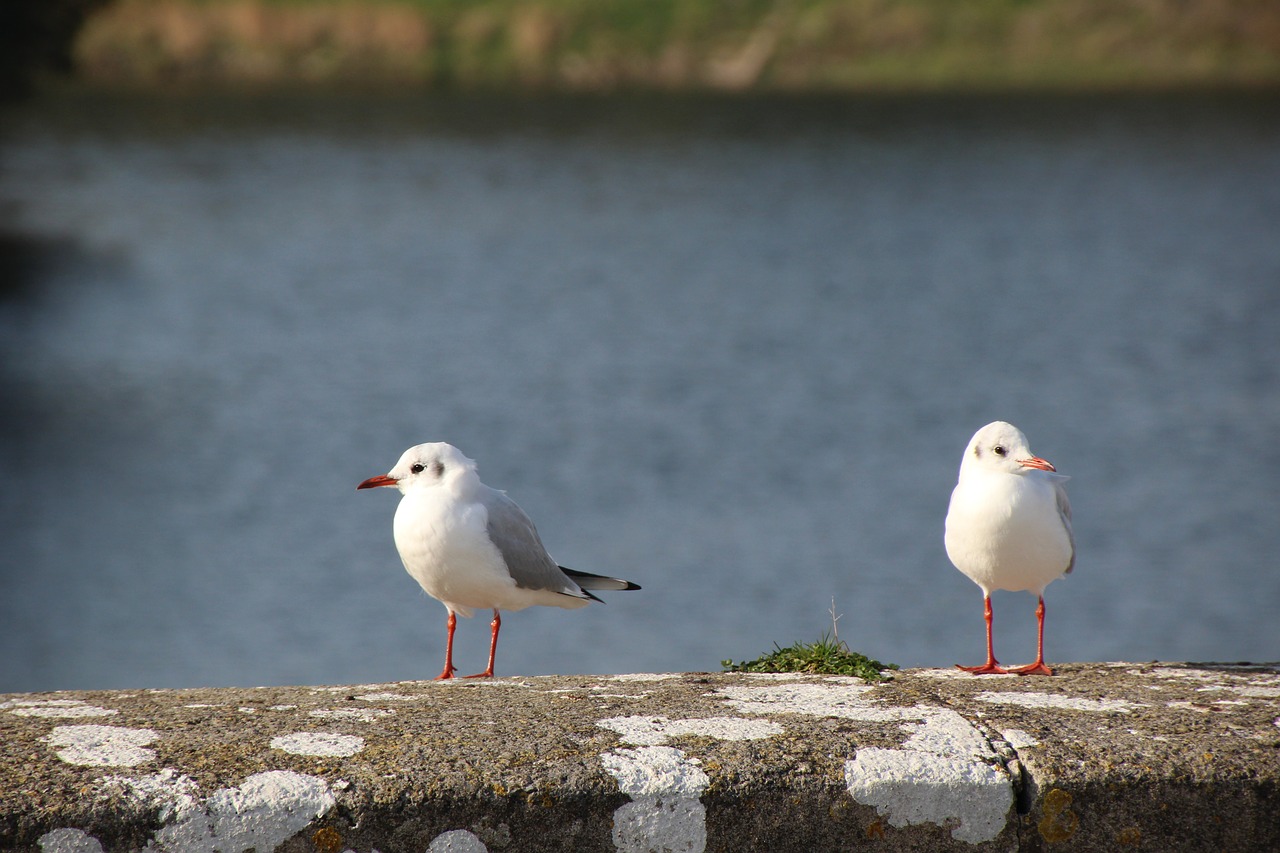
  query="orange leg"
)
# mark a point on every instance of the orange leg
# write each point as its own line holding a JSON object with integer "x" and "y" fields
{"x": 991, "y": 666}
{"x": 448, "y": 651}
{"x": 493, "y": 646}
{"x": 1037, "y": 668}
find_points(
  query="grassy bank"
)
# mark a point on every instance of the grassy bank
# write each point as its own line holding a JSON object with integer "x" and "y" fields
{"x": 734, "y": 45}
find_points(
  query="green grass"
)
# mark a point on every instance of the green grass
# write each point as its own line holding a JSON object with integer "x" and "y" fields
{"x": 828, "y": 656}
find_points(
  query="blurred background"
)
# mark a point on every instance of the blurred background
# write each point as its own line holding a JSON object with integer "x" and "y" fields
{"x": 717, "y": 291}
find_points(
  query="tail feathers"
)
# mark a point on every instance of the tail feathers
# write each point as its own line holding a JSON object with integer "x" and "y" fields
{"x": 587, "y": 581}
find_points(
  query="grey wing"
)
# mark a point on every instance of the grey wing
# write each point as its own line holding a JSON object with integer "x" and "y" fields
{"x": 1064, "y": 513}
{"x": 527, "y": 560}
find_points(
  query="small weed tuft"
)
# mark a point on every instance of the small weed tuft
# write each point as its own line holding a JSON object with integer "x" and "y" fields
{"x": 828, "y": 656}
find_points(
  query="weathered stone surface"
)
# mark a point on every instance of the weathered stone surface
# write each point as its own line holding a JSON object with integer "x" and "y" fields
{"x": 1100, "y": 757}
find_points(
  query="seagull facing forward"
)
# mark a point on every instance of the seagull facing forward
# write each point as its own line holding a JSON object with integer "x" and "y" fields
{"x": 472, "y": 547}
{"x": 1009, "y": 527}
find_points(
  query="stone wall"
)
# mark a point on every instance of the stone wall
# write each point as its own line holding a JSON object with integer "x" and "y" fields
{"x": 1100, "y": 757}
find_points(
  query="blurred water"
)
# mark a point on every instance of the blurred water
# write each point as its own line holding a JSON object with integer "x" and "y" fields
{"x": 729, "y": 350}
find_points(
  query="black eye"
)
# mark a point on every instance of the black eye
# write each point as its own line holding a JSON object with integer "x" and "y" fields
{"x": 999, "y": 450}
{"x": 416, "y": 468}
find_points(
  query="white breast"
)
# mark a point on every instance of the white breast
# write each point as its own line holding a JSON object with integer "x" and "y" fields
{"x": 446, "y": 549}
{"x": 1005, "y": 532}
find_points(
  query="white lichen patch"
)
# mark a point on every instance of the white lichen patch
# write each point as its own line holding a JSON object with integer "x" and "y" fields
{"x": 102, "y": 746}
{"x": 1018, "y": 739}
{"x": 69, "y": 841}
{"x": 389, "y": 697}
{"x": 803, "y": 677}
{"x": 1187, "y": 706}
{"x": 364, "y": 715}
{"x": 946, "y": 771}
{"x": 942, "y": 731}
{"x": 954, "y": 672}
{"x": 263, "y": 812}
{"x": 1055, "y": 701}
{"x": 480, "y": 683}
{"x": 457, "y": 841}
{"x": 1258, "y": 692}
{"x": 665, "y": 812}
{"x": 930, "y": 729}
{"x": 1222, "y": 678}
{"x": 156, "y": 790}
{"x": 606, "y": 691}
{"x": 1221, "y": 675}
{"x": 678, "y": 825}
{"x": 910, "y": 787}
{"x": 817, "y": 700}
{"x": 652, "y": 771}
{"x": 55, "y": 708}
{"x": 654, "y": 731}
{"x": 325, "y": 744}
{"x": 1180, "y": 673}
{"x": 644, "y": 676}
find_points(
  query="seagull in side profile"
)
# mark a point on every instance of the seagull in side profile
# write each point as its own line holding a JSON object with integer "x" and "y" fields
{"x": 1009, "y": 526}
{"x": 472, "y": 547}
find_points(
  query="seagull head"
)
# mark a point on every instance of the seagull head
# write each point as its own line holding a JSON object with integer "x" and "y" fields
{"x": 1001, "y": 447}
{"x": 424, "y": 466}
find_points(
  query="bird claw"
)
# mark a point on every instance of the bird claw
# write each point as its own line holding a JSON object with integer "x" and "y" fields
{"x": 1037, "y": 668}
{"x": 487, "y": 674}
{"x": 446, "y": 675}
{"x": 989, "y": 668}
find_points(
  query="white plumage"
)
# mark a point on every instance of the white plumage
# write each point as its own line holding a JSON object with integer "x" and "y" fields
{"x": 1009, "y": 526}
{"x": 472, "y": 547}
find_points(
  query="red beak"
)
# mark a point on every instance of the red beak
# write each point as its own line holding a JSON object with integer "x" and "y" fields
{"x": 1033, "y": 462}
{"x": 375, "y": 482}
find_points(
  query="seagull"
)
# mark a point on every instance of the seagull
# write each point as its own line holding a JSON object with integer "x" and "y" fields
{"x": 472, "y": 547}
{"x": 1009, "y": 527}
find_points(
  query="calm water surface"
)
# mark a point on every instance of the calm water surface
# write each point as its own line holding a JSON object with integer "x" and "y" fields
{"x": 731, "y": 351}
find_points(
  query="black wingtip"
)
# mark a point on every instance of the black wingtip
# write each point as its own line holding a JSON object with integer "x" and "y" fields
{"x": 586, "y": 581}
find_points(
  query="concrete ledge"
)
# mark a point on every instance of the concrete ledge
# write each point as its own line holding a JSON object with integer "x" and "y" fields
{"x": 1100, "y": 757}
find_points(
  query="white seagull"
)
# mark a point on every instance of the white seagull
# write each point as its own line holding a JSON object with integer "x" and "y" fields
{"x": 472, "y": 547}
{"x": 1009, "y": 526}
